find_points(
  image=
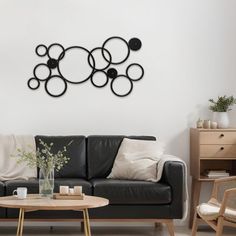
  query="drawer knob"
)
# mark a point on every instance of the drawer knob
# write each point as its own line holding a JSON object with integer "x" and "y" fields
{"x": 222, "y": 148}
{"x": 222, "y": 135}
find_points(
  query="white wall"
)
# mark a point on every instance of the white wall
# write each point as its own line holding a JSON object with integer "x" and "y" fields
{"x": 188, "y": 53}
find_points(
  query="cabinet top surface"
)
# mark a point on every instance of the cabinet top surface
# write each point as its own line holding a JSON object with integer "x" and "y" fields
{"x": 214, "y": 130}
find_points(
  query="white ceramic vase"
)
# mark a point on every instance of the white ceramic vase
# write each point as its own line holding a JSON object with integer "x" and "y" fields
{"x": 222, "y": 119}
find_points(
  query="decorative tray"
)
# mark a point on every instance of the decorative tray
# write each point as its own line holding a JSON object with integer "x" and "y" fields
{"x": 68, "y": 196}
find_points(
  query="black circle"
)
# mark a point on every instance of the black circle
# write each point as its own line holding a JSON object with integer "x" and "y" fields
{"x": 135, "y": 44}
{"x": 37, "y": 52}
{"x": 33, "y": 88}
{"x": 46, "y": 88}
{"x": 122, "y": 95}
{"x": 99, "y": 86}
{"x": 112, "y": 73}
{"x": 102, "y": 49}
{"x": 62, "y": 54}
{"x": 90, "y": 56}
{"x": 35, "y": 68}
{"x": 135, "y": 64}
{"x": 52, "y": 63}
{"x": 116, "y": 37}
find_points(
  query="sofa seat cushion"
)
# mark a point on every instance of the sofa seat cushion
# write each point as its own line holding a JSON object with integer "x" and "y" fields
{"x": 132, "y": 192}
{"x": 33, "y": 185}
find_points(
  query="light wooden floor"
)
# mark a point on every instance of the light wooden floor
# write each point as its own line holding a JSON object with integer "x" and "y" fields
{"x": 108, "y": 231}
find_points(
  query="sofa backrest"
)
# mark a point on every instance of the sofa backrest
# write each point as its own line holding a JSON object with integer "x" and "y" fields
{"x": 76, "y": 151}
{"x": 101, "y": 153}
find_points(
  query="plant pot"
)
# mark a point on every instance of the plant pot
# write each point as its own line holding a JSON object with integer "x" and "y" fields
{"x": 222, "y": 119}
{"x": 46, "y": 182}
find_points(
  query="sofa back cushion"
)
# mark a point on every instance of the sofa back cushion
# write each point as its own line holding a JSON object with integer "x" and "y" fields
{"x": 101, "y": 153}
{"x": 76, "y": 151}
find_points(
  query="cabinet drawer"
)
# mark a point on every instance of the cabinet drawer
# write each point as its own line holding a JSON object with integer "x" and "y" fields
{"x": 217, "y": 137}
{"x": 221, "y": 151}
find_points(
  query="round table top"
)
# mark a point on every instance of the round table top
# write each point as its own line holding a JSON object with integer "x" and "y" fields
{"x": 34, "y": 201}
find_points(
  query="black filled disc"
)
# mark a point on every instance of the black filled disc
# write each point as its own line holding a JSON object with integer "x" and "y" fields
{"x": 112, "y": 73}
{"x": 135, "y": 44}
{"x": 52, "y": 63}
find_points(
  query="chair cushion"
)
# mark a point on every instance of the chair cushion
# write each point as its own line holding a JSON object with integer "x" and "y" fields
{"x": 132, "y": 192}
{"x": 210, "y": 211}
{"x": 76, "y": 167}
{"x": 102, "y": 151}
{"x": 33, "y": 185}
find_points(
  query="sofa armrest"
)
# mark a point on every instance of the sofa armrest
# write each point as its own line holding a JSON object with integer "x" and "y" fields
{"x": 173, "y": 175}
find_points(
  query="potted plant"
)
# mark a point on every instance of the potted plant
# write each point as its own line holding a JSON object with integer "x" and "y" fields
{"x": 46, "y": 161}
{"x": 220, "y": 110}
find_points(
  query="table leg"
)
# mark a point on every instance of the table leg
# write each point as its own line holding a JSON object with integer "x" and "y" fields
{"x": 86, "y": 223}
{"x": 20, "y": 222}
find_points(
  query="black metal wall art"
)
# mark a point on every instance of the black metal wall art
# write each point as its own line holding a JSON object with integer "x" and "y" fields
{"x": 99, "y": 76}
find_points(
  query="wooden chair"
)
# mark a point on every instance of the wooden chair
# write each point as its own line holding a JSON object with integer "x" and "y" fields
{"x": 220, "y": 210}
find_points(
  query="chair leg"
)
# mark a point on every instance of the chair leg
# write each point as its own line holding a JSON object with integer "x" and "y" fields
{"x": 220, "y": 226}
{"x": 195, "y": 224}
{"x": 170, "y": 227}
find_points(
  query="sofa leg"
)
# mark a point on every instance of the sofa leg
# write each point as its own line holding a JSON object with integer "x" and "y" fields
{"x": 158, "y": 225}
{"x": 170, "y": 227}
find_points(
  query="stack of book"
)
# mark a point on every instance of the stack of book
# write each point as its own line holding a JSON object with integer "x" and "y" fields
{"x": 216, "y": 173}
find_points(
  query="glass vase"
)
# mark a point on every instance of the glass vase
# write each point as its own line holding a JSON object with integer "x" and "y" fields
{"x": 46, "y": 182}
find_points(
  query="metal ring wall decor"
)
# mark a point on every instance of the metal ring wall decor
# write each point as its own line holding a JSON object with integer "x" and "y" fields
{"x": 56, "y": 45}
{"x": 37, "y": 67}
{"x": 43, "y": 47}
{"x": 51, "y": 78}
{"x": 32, "y": 80}
{"x": 135, "y": 65}
{"x": 120, "y": 94}
{"x": 102, "y": 51}
{"x": 117, "y": 62}
{"x": 99, "y": 85}
{"x": 63, "y": 55}
{"x": 53, "y": 65}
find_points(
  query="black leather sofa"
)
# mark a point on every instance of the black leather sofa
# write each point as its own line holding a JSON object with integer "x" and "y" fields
{"x": 91, "y": 160}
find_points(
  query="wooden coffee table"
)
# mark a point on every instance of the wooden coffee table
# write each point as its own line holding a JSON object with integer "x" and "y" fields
{"x": 34, "y": 202}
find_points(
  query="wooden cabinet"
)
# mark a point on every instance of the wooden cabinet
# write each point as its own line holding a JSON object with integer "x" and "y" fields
{"x": 212, "y": 149}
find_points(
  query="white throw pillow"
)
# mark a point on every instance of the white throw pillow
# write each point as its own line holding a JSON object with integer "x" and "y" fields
{"x": 137, "y": 160}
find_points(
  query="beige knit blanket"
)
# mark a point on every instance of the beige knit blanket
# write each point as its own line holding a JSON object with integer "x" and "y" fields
{"x": 9, "y": 169}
